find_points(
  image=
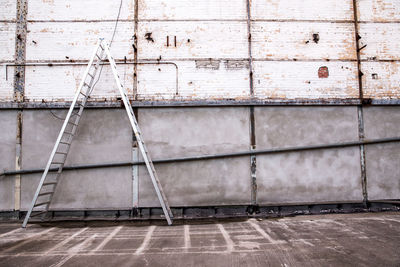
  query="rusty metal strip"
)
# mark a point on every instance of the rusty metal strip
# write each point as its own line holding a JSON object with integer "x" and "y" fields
{"x": 360, "y": 113}
{"x": 19, "y": 90}
{"x": 20, "y": 50}
{"x": 253, "y": 159}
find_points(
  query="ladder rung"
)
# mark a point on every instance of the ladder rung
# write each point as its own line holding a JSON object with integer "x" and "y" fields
{"x": 56, "y": 162}
{"x": 39, "y": 213}
{"x": 42, "y": 203}
{"x": 65, "y": 143}
{"x": 72, "y": 123}
{"x": 68, "y": 133}
{"x": 46, "y": 184}
{"x": 64, "y": 153}
{"x": 91, "y": 75}
{"x": 45, "y": 194}
{"x": 97, "y": 55}
{"x": 75, "y": 114}
{"x": 85, "y": 84}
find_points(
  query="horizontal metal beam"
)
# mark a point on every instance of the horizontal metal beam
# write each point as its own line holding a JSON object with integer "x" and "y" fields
{"x": 103, "y": 103}
{"x": 214, "y": 156}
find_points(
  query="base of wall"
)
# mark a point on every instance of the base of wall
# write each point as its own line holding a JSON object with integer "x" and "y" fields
{"x": 206, "y": 213}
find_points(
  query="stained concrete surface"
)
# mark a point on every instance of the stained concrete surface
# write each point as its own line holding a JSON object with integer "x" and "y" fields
{"x": 308, "y": 176}
{"x": 101, "y": 137}
{"x": 382, "y": 160}
{"x": 365, "y": 239}
{"x": 171, "y": 132}
{"x": 8, "y": 139}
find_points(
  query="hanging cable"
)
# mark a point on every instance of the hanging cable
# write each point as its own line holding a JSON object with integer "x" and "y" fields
{"x": 101, "y": 68}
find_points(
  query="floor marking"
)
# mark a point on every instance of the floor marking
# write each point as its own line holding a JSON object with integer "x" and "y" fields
{"x": 107, "y": 239}
{"x": 33, "y": 237}
{"x": 230, "y": 246}
{"x": 262, "y": 232}
{"x": 65, "y": 241}
{"x": 11, "y": 232}
{"x": 187, "y": 236}
{"x": 146, "y": 240}
{"x": 74, "y": 251}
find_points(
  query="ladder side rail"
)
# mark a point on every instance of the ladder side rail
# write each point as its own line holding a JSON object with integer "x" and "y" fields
{"x": 138, "y": 137}
{"x": 59, "y": 139}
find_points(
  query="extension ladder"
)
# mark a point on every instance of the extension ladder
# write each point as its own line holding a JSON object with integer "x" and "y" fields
{"x": 50, "y": 177}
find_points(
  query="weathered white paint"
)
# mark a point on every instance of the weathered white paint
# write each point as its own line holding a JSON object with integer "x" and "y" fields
{"x": 382, "y": 40}
{"x": 6, "y": 86}
{"x": 8, "y": 10}
{"x": 192, "y": 10}
{"x": 7, "y": 41}
{"x": 302, "y": 10}
{"x": 206, "y": 83}
{"x": 60, "y": 82}
{"x": 193, "y": 40}
{"x": 156, "y": 82}
{"x": 278, "y": 40}
{"x": 381, "y": 79}
{"x": 300, "y": 80}
{"x": 76, "y": 40}
{"x": 378, "y": 10}
{"x": 80, "y": 10}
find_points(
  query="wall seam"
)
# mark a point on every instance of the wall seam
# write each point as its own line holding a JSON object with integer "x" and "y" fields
{"x": 19, "y": 89}
{"x": 360, "y": 111}
{"x": 253, "y": 160}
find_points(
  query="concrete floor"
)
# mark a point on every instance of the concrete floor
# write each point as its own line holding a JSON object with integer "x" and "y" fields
{"x": 364, "y": 239}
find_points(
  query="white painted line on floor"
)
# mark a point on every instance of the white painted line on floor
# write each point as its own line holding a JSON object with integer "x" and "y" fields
{"x": 187, "y": 236}
{"x": 230, "y": 246}
{"x": 107, "y": 239}
{"x": 146, "y": 240}
{"x": 29, "y": 239}
{"x": 262, "y": 232}
{"x": 11, "y": 232}
{"x": 65, "y": 241}
{"x": 74, "y": 250}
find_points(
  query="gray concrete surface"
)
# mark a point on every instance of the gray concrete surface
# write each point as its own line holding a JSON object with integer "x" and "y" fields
{"x": 8, "y": 135}
{"x": 311, "y": 176}
{"x": 382, "y": 161}
{"x": 197, "y": 131}
{"x": 102, "y": 136}
{"x": 365, "y": 239}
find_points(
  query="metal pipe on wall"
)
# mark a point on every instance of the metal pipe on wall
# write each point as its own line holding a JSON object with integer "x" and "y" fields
{"x": 216, "y": 156}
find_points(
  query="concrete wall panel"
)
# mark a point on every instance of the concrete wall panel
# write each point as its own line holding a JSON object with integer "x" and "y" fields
{"x": 381, "y": 79}
{"x": 382, "y": 160}
{"x": 79, "y": 10}
{"x": 296, "y": 40}
{"x": 191, "y": 10}
{"x": 378, "y": 10}
{"x": 76, "y": 40}
{"x": 102, "y": 136}
{"x": 302, "y": 10}
{"x": 312, "y": 176}
{"x": 198, "y": 39}
{"x": 381, "y": 41}
{"x": 273, "y": 79}
{"x": 61, "y": 82}
{"x": 197, "y": 131}
{"x": 8, "y": 136}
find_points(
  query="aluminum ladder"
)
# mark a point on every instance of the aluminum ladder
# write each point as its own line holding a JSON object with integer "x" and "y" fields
{"x": 50, "y": 177}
